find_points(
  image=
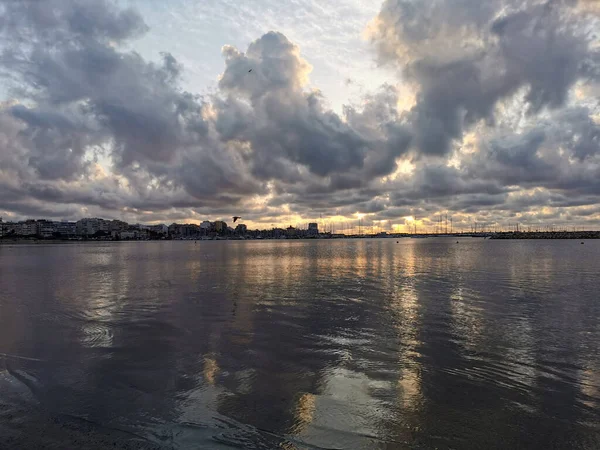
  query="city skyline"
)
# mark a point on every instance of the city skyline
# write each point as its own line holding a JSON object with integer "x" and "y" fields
{"x": 443, "y": 226}
{"x": 288, "y": 113}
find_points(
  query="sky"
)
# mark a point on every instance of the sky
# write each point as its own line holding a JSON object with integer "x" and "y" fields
{"x": 290, "y": 111}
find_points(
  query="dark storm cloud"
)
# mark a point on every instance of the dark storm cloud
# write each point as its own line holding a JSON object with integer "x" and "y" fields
{"x": 532, "y": 200}
{"x": 434, "y": 181}
{"x": 370, "y": 207}
{"x": 56, "y": 140}
{"x": 580, "y": 133}
{"x": 136, "y": 103}
{"x": 381, "y": 122}
{"x": 516, "y": 160}
{"x": 285, "y": 124}
{"x": 444, "y": 186}
{"x": 560, "y": 153}
{"x": 84, "y": 96}
{"x": 326, "y": 202}
{"x": 475, "y": 202}
{"x": 465, "y": 56}
{"x": 346, "y": 156}
{"x": 546, "y": 157}
{"x": 36, "y": 210}
{"x": 394, "y": 213}
{"x": 543, "y": 50}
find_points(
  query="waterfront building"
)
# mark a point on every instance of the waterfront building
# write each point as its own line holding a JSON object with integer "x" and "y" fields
{"x": 28, "y": 228}
{"x": 130, "y": 234}
{"x": 46, "y": 228}
{"x": 220, "y": 226}
{"x": 183, "y": 230}
{"x": 91, "y": 226}
{"x": 160, "y": 229}
{"x": 118, "y": 225}
{"x": 66, "y": 229}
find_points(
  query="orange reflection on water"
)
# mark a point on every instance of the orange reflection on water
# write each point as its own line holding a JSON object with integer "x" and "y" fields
{"x": 304, "y": 412}
{"x": 590, "y": 386}
{"x": 405, "y": 307}
{"x": 211, "y": 370}
{"x": 409, "y": 388}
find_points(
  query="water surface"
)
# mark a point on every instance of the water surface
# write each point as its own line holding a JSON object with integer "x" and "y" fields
{"x": 349, "y": 344}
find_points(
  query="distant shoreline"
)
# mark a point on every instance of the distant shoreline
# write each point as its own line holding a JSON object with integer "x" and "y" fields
{"x": 547, "y": 235}
{"x": 554, "y": 235}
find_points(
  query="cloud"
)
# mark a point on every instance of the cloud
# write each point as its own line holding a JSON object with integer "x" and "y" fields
{"x": 56, "y": 141}
{"x": 287, "y": 126}
{"x": 275, "y": 63}
{"x": 588, "y": 6}
{"x": 466, "y": 56}
{"x": 87, "y": 97}
{"x": 67, "y": 21}
{"x": 561, "y": 152}
{"x": 92, "y": 126}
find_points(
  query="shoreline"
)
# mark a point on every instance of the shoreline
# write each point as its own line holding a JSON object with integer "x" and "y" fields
{"x": 511, "y": 235}
{"x": 547, "y": 235}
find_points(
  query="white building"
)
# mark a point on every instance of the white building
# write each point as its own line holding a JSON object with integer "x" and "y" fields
{"x": 28, "y": 228}
{"x": 90, "y": 226}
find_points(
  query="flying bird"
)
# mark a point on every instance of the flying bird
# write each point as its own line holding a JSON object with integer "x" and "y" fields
{"x": 250, "y": 71}
{"x": 235, "y": 218}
